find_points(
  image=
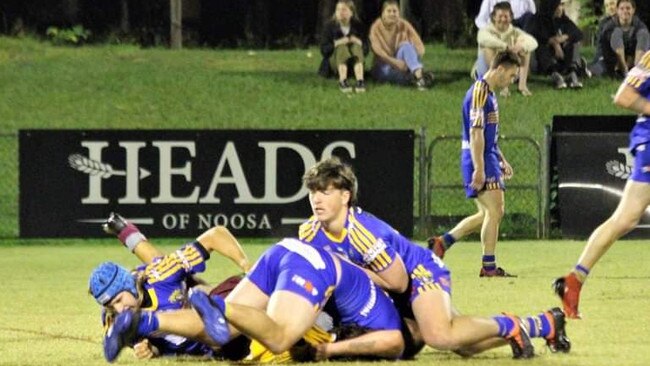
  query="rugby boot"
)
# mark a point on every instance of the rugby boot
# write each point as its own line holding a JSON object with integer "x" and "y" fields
{"x": 114, "y": 224}
{"x": 120, "y": 334}
{"x": 498, "y": 272}
{"x": 557, "y": 340}
{"x": 211, "y": 310}
{"x": 437, "y": 245}
{"x": 568, "y": 289}
{"x": 519, "y": 340}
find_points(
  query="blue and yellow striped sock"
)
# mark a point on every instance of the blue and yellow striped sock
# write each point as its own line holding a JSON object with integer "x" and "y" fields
{"x": 448, "y": 240}
{"x": 538, "y": 326}
{"x": 506, "y": 324}
{"x": 148, "y": 323}
{"x": 581, "y": 272}
{"x": 489, "y": 262}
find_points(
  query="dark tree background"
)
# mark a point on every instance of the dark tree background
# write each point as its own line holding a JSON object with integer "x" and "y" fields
{"x": 249, "y": 23}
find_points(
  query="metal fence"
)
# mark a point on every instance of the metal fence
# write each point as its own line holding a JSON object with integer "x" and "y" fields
{"x": 8, "y": 185}
{"x": 444, "y": 204}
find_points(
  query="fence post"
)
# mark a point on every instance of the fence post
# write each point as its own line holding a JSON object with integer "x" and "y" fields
{"x": 423, "y": 183}
{"x": 546, "y": 182}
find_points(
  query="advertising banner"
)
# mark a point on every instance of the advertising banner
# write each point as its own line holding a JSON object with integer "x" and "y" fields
{"x": 593, "y": 164}
{"x": 178, "y": 183}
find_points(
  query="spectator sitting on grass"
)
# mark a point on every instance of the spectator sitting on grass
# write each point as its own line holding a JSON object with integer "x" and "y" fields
{"x": 622, "y": 40}
{"x": 343, "y": 44}
{"x": 398, "y": 50}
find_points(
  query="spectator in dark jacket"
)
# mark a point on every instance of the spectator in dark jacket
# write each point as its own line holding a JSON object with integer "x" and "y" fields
{"x": 344, "y": 45}
{"x": 559, "y": 40}
{"x": 623, "y": 39}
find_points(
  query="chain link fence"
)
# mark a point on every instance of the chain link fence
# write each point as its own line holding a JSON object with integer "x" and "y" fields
{"x": 445, "y": 203}
{"x": 9, "y": 185}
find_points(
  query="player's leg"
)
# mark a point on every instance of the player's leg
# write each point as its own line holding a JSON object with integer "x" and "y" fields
{"x": 131, "y": 237}
{"x": 633, "y": 204}
{"x": 470, "y": 224}
{"x": 443, "y": 331}
{"x": 492, "y": 202}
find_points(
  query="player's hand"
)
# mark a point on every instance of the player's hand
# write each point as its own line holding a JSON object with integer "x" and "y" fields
{"x": 506, "y": 168}
{"x": 145, "y": 350}
{"x": 321, "y": 352}
{"x": 478, "y": 180}
{"x": 559, "y": 53}
{"x": 341, "y": 41}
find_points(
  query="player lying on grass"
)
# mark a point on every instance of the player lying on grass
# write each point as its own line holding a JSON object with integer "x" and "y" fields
{"x": 276, "y": 304}
{"x": 414, "y": 272}
{"x": 160, "y": 284}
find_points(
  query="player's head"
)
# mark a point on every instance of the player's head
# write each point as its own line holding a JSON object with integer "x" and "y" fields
{"x": 610, "y": 7}
{"x": 332, "y": 173}
{"x": 345, "y": 10}
{"x": 505, "y": 66}
{"x": 390, "y": 12}
{"x": 625, "y": 10}
{"x": 110, "y": 282}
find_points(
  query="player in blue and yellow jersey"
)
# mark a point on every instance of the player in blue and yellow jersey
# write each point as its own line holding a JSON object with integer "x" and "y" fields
{"x": 160, "y": 284}
{"x": 277, "y": 304}
{"x": 483, "y": 165}
{"x": 404, "y": 267}
{"x": 634, "y": 95}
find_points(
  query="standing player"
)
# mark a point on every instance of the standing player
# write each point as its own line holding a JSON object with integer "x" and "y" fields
{"x": 160, "y": 284}
{"x": 633, "y": 94}
{"x": 405, "y": 267}
{"x": 483, "y": 165}
{"x": 277, "y": 304}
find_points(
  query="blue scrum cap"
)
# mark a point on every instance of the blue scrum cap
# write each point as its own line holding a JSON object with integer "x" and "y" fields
{"x": 108, "y": 280}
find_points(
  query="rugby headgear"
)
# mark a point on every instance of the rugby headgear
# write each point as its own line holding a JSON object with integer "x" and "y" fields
{"x": 108, "y": 280}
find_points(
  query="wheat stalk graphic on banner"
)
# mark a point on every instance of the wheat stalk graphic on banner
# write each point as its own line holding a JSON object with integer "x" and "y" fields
{"x": 618, "y": 169}
{"x": 92, "y": 167}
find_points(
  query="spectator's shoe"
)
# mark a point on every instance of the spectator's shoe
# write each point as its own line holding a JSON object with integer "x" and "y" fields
{"x": 345, "y": 87}
{"x": 429, "y": 78}
{"x": 114, "y": 224}
{"x": 437, "y": 245}
{"x": 568, "y": 289}
{"x": 583, "y": 68}
{"x": 498, "y": 272}
{"x": 211, "y": 310}
{"x": 519, "y": 340}
{"x": 421, "y": 84}
{"x": 360, "y": 87}
{"x": 574, "y": 82}
{"x": 558, "y": 80}
{"x": 557, "y": 340}
{"x": 121, "y": 333}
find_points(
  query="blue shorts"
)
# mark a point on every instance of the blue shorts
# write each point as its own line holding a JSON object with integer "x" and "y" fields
{"x": 641, "y": 170}
{"x": 281, "y": 269}
{"x": 430, "y": 274}
{"x": 493, "y": 179}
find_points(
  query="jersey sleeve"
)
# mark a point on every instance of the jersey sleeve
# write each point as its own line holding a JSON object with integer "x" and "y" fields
{"x": 477, "y": 104}
{"x": 639, "y": 77}
{"x": 308, "y": 230}
{"x": 176, "y": 266}
{"x": 371, "y": 240}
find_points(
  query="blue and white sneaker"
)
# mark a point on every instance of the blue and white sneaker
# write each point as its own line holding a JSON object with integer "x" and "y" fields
{"x": 122, "y": 332}
{"x": 211, "y": 310}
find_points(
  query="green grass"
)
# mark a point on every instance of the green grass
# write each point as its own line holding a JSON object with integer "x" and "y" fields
{"x": 47, "y": 317}
{"x": 127, "y": 87}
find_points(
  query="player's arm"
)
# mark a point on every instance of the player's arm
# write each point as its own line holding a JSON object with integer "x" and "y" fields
{"x": 394, "y": 276}
{"x": 477, "y": 149}
{"x": 382, "y": 343}
{"x": 629, "y": 98}
{"x": 220, "y": 240}
{"x": 508, "y": 172}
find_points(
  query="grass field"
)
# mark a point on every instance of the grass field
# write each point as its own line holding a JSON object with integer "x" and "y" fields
{"x": 47, "y": 317}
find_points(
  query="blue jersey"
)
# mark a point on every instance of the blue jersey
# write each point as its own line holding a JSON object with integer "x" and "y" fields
{"x": 480, "y": 110}
{"x": 164, "y": 283}
{"x": 311, "y": 273}
{"x": 372, "y": 243}
{"x": 639, "y": 79}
